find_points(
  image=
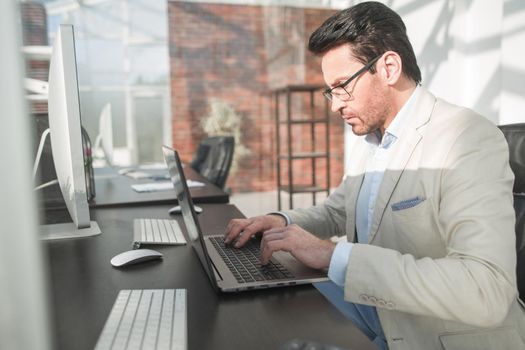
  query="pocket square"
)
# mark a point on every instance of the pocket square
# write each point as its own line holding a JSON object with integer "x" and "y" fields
{"x": 407, "y": 203}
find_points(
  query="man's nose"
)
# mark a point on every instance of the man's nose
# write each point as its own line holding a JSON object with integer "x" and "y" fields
{"x": 336, "y": 104}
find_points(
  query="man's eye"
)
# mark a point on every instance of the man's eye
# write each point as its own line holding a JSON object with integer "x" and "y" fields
{"x": 338, "y": 91}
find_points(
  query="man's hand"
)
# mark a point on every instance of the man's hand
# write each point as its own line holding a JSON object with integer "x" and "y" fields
{"x": 243, "y": 229}
{"x": 304, "y": 246}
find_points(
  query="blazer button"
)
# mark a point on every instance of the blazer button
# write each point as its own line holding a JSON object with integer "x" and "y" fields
{"x": 364, "y": 297}
{"x": 390, "y": 305}
{"x": 381, "y": 303}
{"x": 372, "y": 299}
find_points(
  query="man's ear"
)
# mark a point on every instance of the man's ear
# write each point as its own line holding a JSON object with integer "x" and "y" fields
{"x": 391, "y": 67}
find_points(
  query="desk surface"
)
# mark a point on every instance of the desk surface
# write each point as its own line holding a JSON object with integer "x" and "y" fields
{"x": 113, "y": 189}
{"x": 84, "y": 286}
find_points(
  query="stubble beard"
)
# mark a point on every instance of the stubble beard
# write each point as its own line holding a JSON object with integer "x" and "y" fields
{"x": 378, "y": 110}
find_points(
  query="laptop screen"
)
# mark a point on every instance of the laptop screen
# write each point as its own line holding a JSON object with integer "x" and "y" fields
{"x": 188, "y": 213}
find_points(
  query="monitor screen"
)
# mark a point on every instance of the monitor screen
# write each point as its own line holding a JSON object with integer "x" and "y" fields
{"x": 105, "y": 134}
{"x": 66, "y": 136}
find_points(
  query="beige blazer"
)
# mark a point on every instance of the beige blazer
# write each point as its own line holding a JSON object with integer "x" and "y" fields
{"x": 440, "y": 262}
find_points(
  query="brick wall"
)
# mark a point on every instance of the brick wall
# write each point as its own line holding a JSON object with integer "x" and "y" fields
{"x": 34, "y": 32}
{"x": 238, "y": 54}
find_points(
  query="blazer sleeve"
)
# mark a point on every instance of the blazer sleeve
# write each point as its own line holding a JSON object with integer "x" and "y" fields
{"x": 326, "y": 219}
{"x": 475, "y": 282}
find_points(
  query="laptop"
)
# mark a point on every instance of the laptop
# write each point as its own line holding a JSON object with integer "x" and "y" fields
{"x": 230, "y": 269}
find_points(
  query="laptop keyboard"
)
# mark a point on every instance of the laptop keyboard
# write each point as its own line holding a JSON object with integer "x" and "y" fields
{"x": 245, "y": 263}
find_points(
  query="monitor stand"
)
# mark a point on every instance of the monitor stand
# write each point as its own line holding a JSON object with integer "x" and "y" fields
{"x": 67, "y": 230}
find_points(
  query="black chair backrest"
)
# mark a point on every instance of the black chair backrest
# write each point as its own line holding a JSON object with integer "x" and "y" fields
{"x": 515, "y": 135}
{"x": 213, "y": 159}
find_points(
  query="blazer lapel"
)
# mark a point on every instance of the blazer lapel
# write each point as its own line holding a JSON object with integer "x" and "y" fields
{"x": 402, "y": 153}
{"x": 355, "y": 175}
{"x": 392, "y": 174}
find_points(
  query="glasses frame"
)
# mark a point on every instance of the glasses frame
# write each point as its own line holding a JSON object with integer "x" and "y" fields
{"x": 328, "y": 92}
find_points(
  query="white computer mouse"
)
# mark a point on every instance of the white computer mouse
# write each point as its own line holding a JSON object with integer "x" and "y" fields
{"x": 135, "y": 256}
{"x": 177, "y": 210}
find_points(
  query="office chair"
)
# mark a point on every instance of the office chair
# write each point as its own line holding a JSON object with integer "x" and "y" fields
{"x": 213, "y": 159}
{"x": 515, "y": 135}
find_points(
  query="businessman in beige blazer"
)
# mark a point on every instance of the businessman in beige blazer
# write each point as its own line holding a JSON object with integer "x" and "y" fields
{"x": 426, "y": 205}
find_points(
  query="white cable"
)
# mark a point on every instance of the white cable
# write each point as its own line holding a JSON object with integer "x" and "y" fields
{"x": 47, "y": 184}
{"x": 39, "y": 152}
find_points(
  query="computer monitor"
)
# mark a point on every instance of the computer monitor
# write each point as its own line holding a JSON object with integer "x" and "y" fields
{"x": 66, "y": 139}
{"x": 105, "y": 134}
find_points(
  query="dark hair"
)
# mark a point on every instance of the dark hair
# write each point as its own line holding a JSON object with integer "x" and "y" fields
{"x": 372, "y": 29}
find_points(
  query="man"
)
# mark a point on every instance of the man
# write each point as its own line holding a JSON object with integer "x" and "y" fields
{"x": 426, "y": 204}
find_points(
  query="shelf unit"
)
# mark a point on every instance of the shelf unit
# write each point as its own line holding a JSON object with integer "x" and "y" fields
{"x": 290, "y": 155}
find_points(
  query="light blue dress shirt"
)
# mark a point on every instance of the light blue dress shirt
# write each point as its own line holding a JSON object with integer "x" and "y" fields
{"x": 380, "y": 153}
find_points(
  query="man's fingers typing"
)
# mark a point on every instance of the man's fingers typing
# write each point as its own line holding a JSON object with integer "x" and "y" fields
{"x": 271, "y": 241}
{"x": 271, "y": 247}
{"x": 235, "y": 227}
{"x": 248, "y": 233}
{"x": 241, "y": 230}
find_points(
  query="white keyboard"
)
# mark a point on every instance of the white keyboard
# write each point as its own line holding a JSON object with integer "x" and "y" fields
{"x": 157, "y": 231}
{"x": 146, "y": 319}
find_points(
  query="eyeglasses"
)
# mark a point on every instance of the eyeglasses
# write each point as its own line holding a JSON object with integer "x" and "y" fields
{"x": 340, "y": 92}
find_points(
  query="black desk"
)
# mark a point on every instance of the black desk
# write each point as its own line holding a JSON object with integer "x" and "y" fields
{"x": 84, "y": 286}
{"x": 113, "y": 189}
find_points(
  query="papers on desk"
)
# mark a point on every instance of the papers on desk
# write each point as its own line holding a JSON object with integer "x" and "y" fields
{"x": 153, "y": 166}
{"x": 192, "y": 183}
{"x": 162, "y": 186}
{"x": 138, "y": 175}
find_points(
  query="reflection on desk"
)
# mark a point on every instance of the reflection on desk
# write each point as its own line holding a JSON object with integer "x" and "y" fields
{"x": 85, "y": 285}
